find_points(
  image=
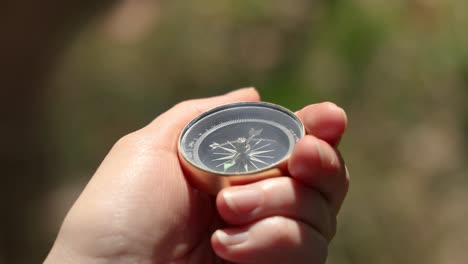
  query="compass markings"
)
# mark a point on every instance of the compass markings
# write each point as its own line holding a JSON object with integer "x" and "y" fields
{"x": 229, "y": 142}
{"x": 258, "y": 141}
{"x": 268, "y": 157}
{"x": 228, "y": 149}
{"x": 258, "y": 160}
{"x": 253, "y": 164}
{"x": 260, "y": 152}
{"x": 224, "y": 158}
{"x": 251, "y": 157}
{"x": 261, "y": 147}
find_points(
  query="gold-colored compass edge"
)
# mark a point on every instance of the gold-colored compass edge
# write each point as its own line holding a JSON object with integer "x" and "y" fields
{"x": 211, "y": 182}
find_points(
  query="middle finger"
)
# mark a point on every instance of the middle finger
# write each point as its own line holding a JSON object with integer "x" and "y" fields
{"x": 282, "y": 196}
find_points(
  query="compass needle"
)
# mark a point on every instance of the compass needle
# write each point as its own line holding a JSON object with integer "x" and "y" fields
{"x": 229, "y": 165}
{"x": 226, "y": 162}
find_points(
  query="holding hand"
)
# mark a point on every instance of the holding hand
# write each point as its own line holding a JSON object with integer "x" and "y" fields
{"x": 139, "y": 207}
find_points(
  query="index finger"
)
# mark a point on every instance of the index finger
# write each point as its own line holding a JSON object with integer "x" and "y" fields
{"x": 325, "y": 121}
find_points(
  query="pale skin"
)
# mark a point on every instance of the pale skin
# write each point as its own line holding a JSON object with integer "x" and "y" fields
{"x": 139, "y": 208}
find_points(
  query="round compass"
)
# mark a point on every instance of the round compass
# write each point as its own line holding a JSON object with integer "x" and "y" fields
{"x": 238, "y": 143}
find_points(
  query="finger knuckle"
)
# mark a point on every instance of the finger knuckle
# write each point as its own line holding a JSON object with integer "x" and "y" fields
{"x": 184, "y": 104}
{"x": 283, "y": 230}
{"x": 329, "y": 105}
{"x": 132, "y": 139}
{"x": 192, "y": 105}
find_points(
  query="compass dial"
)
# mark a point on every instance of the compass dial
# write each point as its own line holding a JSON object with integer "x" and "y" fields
{"x": 240, "y": 138}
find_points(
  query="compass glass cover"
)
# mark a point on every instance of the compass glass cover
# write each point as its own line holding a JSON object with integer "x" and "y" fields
{"x": 241, "y": 138}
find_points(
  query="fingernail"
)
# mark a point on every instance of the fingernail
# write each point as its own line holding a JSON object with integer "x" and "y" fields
{"x": 232, "y": 238}
{"x": 243, "y": 200}
{"x": 326, "y": 154}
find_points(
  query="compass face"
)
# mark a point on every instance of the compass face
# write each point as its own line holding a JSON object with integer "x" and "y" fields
{"x": 241, "y": 138}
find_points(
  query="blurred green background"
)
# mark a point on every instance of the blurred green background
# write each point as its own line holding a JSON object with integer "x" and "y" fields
{"x": 399, "y": 69}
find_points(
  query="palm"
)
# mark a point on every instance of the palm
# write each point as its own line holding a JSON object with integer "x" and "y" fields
{"x": 156, "y": 216}
{"x": 197, "y": 222}
{"x": 181, "y": 219}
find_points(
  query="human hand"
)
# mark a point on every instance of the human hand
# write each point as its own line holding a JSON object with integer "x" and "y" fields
{"x": 139, "y": 208}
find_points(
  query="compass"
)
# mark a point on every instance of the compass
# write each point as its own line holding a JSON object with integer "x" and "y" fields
{"x": 238, "y": 143}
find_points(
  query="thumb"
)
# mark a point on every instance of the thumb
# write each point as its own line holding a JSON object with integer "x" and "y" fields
{"x": 169, "y": 124}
